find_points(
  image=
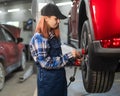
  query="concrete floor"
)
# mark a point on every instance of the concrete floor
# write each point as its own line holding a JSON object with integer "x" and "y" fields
{"x": 15, "y": 88}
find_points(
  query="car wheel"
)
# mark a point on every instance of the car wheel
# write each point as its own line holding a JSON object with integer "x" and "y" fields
{"x": 94, "y": 81}
{"x": 23, "y": 61}
{"x": 2, "y": 76}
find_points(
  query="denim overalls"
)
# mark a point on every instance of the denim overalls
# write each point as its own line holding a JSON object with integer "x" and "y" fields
{"x": 52, "y": 82}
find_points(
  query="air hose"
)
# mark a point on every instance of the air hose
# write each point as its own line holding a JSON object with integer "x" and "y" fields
{"x": 81, "y": 53}
{"x": 72, "y": 78}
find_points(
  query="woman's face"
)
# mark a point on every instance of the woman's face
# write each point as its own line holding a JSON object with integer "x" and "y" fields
{"x": 52, "y": 21}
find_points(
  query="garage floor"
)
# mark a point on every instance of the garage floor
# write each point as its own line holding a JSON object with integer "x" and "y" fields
{"x": 13, "y": 87}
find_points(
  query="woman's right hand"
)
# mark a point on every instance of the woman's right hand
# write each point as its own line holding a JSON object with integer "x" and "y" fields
{"x": 78, "y": 58}
{"x": 74, "y": 53}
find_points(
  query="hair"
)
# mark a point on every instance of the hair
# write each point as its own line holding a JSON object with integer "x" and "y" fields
{"x": 42, "y": 28}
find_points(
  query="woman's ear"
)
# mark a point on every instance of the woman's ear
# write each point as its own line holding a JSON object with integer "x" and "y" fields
{"x": 46, "y": 18}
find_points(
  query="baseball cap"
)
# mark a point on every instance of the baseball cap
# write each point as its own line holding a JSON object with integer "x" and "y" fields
{"x": 52, "y": 10}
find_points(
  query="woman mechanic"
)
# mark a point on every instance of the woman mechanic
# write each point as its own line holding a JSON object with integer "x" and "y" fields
{"x": 45, "y": 47}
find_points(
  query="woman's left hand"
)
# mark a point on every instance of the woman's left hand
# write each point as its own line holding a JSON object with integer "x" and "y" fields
{"x": 78, "y": 61}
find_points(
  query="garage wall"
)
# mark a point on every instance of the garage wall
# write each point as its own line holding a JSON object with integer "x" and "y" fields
{"x": 21, "y": 16}
{"x": 63, "y": 27}
{"x": 65, "y": 10}
{"x": 59, "y": 1}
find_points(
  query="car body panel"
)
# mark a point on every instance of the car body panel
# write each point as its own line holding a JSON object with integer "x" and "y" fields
{"x": 73, "y": 23}
{"x": 15, "y": 31}
{"x": 10, "y": 52}
{"x": 10, "y": 49}
{"x": 105, "y": 18}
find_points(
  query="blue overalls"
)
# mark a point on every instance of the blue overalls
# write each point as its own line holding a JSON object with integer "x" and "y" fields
{"x": 52, "y": 82}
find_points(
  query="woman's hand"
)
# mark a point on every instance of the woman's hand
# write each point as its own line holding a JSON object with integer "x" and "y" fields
{"x": 75, "y": 54}
{"x": 78, "y": 61}
{"x": 78, "y": 58}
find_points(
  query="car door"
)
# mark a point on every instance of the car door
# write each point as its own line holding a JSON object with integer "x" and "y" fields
{"x": 74, "y": 20}
{"x": 10, "y": 47}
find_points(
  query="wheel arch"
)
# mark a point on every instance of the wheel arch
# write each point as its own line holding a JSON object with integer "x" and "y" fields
{"x": 82, "y": 17}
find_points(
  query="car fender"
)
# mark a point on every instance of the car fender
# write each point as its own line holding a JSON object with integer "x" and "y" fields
{"x": 84, "y": 14}
{"x": 105, "y": 18}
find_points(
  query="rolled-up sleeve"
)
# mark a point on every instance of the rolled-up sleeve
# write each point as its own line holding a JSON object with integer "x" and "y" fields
{"x": 39, "y": 50}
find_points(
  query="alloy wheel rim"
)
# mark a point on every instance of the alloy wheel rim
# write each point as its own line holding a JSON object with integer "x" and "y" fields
{"x": 85, "y": 62}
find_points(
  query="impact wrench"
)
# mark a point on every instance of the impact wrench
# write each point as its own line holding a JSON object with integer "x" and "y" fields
{"x": 76, "y": 63}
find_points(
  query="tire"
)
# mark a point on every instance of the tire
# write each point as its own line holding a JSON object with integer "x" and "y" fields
{"x": 2, "y": 76}
{"x": 94, "y": 81}
{"x": 23, "y": 61}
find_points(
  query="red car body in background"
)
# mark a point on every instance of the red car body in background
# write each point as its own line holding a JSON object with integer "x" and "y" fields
{"x": 12, "y": 51}
{"x": 94, "y": 25}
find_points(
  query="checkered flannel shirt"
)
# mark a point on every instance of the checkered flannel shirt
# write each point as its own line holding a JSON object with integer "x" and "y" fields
{"x": 39, "y": 48}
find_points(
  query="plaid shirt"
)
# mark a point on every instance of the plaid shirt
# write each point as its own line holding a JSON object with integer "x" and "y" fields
{"x": 39, "y": 48}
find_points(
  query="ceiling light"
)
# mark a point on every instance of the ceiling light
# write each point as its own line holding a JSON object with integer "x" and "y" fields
{"x": 64, "y": 3}
{"x": 13, "y": 10}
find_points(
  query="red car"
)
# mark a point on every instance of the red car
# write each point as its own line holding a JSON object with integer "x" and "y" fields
{"x": 12, "y": 51}
{"x": 94, "y": 25}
